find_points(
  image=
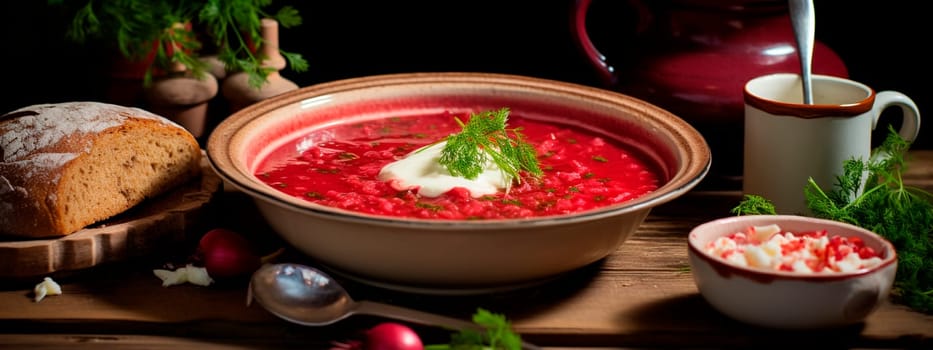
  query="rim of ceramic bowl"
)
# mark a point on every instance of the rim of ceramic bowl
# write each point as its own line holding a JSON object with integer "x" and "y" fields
{"x": 694, "y": 245}
{"x": 691, "y": 149}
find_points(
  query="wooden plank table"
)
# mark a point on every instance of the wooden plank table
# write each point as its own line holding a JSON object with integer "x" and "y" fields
{"x": 642, "y": 296}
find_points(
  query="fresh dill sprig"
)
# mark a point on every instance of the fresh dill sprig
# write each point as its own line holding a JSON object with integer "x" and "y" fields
{"x": 900, "y": 213}
{"x": 497, "y": 334}
{"x": 486, "y": 137}
{"x": 883, "y": 204}
{"x": 753, "y": 204}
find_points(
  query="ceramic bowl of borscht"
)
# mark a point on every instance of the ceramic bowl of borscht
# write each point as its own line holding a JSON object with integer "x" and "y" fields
{"x": 791, "y": 272}
{"x": 455, "y": 182}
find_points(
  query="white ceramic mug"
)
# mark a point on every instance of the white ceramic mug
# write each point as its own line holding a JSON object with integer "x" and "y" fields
{"x": 787, "y": 142}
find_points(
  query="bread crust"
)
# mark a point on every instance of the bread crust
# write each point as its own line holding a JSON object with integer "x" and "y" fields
{"x": 65, "y": 166}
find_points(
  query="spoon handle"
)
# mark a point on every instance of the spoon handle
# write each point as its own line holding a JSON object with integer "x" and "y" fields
{"x": 803, "y": 20}
{"x": 411, "y": 315}
{"x": 424, "y": 318}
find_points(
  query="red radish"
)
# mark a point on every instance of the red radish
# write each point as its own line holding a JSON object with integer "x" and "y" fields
{"x": 392, "y": 336}
{"x": 384, "y": 336}
{"x": 226, "y": 254}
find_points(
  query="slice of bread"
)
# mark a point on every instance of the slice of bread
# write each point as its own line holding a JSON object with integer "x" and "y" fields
{"x": 65, "y": 166}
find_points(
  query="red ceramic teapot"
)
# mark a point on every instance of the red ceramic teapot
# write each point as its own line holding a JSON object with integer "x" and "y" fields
{"x": 693, "y": 57}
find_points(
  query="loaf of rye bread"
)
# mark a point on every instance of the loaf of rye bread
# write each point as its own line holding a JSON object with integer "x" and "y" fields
{"x": 64, "y": 166}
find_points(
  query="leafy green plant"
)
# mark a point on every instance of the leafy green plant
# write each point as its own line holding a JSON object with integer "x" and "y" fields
{"x": 486, "y": 136}
{"x": 753, "y": 204}
{"x": 497, "y": 334}
{"x": 147, "y": 28}
{"x": 883, "y": 204}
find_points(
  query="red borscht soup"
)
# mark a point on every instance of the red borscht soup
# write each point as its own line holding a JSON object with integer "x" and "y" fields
{"x": 337, "y": 166}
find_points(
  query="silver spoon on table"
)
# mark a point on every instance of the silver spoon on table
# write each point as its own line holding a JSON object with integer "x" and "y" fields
{"x": 804, "y": 23}
{"x": 307, "y": 296}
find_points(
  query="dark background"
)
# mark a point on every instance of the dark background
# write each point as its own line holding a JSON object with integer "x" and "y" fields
{"x": 880, "y": 44}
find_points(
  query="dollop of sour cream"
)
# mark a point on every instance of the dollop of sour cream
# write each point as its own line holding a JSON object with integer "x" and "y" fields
{"x": 421, "y": 170}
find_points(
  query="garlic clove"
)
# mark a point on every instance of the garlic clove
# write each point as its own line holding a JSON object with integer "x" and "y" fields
{"x": 198, "y": 276}
{"x": 45, "y": 288}
{"x": 188, "y": 274}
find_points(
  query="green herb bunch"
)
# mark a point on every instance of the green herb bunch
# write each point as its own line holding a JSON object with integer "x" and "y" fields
{"x": 885, "y": 205}
{"x": 484, "y": 137}
{"x": 230, "y": 26}
{"x": 497, "y": 334}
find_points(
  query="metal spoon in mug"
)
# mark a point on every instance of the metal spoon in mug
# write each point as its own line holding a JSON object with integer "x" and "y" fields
{"x": 307, "y": 296}
{"x": 803, "y": 21}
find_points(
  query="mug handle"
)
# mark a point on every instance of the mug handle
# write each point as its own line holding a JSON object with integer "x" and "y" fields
{"x": 596, "y": 58}
{"x": 910, "y": 124}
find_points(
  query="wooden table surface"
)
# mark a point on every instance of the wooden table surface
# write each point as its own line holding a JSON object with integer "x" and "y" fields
{"x": 642, "y": 296}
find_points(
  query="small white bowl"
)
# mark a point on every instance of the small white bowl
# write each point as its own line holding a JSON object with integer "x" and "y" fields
{"x": 790, "y": 300}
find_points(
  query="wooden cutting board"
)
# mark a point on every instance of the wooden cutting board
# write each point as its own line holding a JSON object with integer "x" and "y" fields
{"x": 158, "y": 224}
